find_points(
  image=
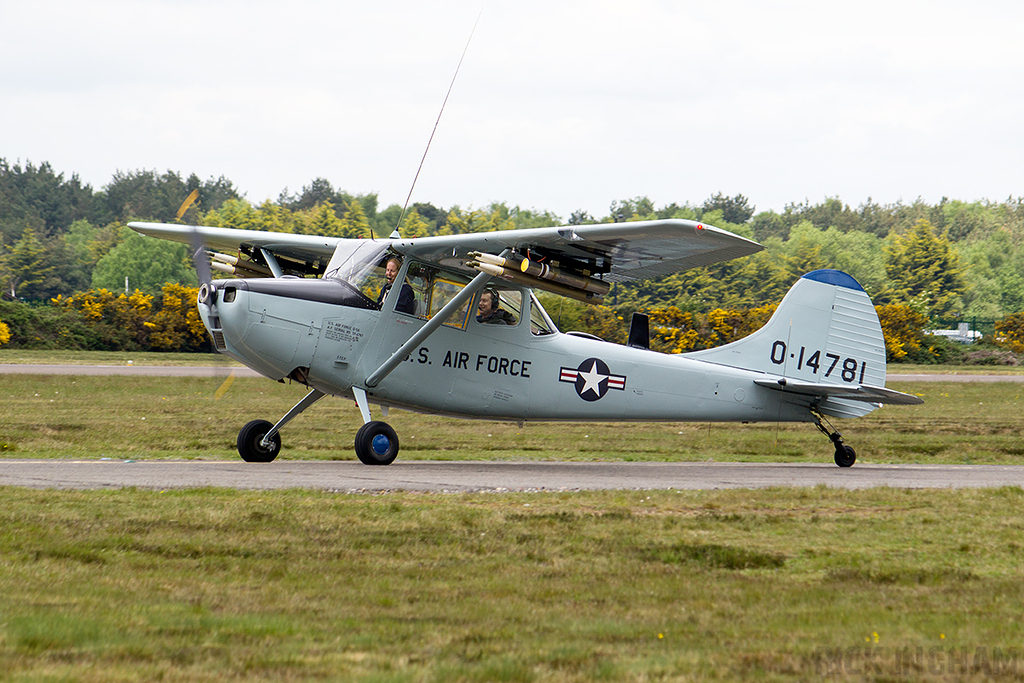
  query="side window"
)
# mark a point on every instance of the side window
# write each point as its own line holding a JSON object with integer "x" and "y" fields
{"x": 540, "y": 323}
{"x": 434, "y": 288}
{"x": 407, "y": 301}
{"x": 444, "y": 290}
{"x": 419, "y": 277}
{"x": 499, "y": 305}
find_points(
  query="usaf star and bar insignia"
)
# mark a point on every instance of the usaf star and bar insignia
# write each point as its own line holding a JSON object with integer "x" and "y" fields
{"x": 592, "y": 379}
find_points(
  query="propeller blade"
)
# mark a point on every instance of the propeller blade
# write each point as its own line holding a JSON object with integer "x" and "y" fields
{"x": 200, "y": 259}
{"x": 189, "y": 200}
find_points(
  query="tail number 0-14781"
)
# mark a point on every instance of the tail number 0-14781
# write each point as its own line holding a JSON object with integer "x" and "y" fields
{"x": 851, "y": 369}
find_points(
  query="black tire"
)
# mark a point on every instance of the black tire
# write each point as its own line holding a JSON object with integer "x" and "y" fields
{"x": 249, "y": 442}
{"x": 845, "y": 455}
{"x": 376, "y": 444}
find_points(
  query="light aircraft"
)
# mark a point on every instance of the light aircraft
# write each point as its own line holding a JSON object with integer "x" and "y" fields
{"x": 310, "y": 309}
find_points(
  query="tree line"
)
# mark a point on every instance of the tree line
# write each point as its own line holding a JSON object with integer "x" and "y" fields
{"x": 949, "y": 261}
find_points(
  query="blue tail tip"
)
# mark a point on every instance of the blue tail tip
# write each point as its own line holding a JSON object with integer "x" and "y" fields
{"x": 834, "y": 277}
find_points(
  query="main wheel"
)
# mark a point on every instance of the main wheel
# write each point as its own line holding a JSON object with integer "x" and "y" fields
{"x": 376, "y": 444}
{"x": 845, "y": 455}
{"x": 249, "y": 442}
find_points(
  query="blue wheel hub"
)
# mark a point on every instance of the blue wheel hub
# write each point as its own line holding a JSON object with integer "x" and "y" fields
{"x": 380, "y": 444}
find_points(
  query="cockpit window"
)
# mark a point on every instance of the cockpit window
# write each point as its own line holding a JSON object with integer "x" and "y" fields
{"x": 433, "y": 288}
{"x": 499, "y": 305}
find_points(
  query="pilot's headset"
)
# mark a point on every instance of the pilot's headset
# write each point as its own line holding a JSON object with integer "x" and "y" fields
{"x": 495, "y": 300}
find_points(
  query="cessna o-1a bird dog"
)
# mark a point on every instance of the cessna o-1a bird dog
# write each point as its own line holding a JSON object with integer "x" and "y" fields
{"x": 452, "y": 327}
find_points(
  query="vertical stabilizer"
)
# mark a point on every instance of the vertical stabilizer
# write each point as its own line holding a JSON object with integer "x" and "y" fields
{"x": 825, "y": 331}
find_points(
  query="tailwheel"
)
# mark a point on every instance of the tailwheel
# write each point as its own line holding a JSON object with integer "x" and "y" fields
{"x": 845, "y": 455}
{"x": 250, "y": 442}
{"x": 376, "y": 444}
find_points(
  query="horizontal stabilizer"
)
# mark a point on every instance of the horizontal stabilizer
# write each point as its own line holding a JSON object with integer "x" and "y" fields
{"x": 855, "y": 392}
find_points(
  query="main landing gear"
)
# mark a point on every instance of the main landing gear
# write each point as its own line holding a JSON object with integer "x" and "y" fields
{"x": 845, "y": 455}
{"x": 259, "y": 440}
{"x": 376, "y": 442}
{"x": 251, "y": 442}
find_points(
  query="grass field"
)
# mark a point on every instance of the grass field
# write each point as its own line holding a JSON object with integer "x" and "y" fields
{"x": 162, "y": 417}
{"x": 213, "y": 585}
{"x": 777, "y": 584}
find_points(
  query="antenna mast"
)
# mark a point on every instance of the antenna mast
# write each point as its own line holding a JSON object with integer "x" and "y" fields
{"x": 405, "y": 208}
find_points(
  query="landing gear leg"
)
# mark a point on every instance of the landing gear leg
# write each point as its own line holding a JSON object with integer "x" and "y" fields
{"x": 376, "y": 442}
{"x": 259, "y": 441}
{"x": 845, "y": 455}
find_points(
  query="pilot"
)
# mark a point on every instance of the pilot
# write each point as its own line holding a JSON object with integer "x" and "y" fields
{"x": 488, "y": 311}
{"x": 406, "y": 297}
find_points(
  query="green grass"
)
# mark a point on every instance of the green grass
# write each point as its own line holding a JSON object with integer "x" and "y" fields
{"x": 167, "y": 417}
{"x": 777, "y": 584}
{"x": 214, "y": 585}
{"x": 913, "y": 369}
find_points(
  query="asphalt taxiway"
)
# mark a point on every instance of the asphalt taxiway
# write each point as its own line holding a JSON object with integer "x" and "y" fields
{"x": 475, "y": 476}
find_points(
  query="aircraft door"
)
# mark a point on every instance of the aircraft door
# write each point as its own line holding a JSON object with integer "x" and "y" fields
{"x": 496, "y": 378}
{"x": 341, "y": 343}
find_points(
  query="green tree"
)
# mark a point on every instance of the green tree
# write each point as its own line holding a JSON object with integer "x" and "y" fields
{"x": 994, "y": 275}
{"x": 580, "y": 217}
{"x": 923, "y": 266}
{"x": 769, "y": 224}
{"x": 27, "y": 266}
{"x": 636, "y": 209}
{"x": 355, "y": 225}
{"x": 506, "y": 218}
{"x": 234, "y": 213}
{"x": 274, "y": 218}
{"x": 734, "y": 209}
{"x": 147, "y": 262}
{"x": 461, "y": 222}
{"x": 858, "y": 253}
{"x": 830, "y": 213}
{"x": 149, "y": 195}
{"x": 413, "y": 225}
{"x": 321, "y": 220}
{"x": 37, "y": 197}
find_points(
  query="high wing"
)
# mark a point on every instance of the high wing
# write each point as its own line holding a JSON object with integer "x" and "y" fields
{"x": 855, "y": 392}
{"x": 305, "y": 253}
{"x": 615, "y": 252}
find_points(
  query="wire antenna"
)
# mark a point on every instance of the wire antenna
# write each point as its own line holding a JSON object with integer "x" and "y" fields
{"x": 436, "y": 123}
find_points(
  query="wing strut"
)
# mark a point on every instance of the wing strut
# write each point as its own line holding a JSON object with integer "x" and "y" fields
{"x": 275, "y": 267}
{"x": 468, "y": 292}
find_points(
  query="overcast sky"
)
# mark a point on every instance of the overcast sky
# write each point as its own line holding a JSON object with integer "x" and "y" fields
{"x": 560, "y": 105}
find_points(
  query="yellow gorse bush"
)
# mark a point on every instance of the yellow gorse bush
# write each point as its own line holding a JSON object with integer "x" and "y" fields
{"x": 170, "y": 324}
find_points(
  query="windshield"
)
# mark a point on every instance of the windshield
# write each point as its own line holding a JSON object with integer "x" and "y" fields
{"x": 356, "y": 261}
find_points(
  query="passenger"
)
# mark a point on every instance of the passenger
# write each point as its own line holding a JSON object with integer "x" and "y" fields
{"x": 488, "y": 312}
{"x": 406, "y": 297}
